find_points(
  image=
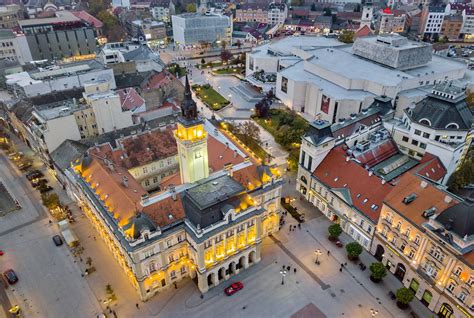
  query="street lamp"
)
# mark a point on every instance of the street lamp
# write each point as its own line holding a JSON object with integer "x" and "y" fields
{"x": 317, "y": 252}
{"x": 374, "y": 312}
{"x": 283, "y": 274}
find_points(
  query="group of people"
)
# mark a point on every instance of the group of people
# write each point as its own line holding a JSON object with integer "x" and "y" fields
{"x": 293, "y": 227}
{"x": 288, "y": 268}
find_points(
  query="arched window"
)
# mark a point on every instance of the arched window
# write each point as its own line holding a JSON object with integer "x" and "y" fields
{"x": 452, "y": 126}
{"x": 425, "y": 121}
{"x": 304, "y": 180}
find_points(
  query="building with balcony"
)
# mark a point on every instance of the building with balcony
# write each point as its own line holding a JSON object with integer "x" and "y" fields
{"x": 424, "y": 237}
{"x": 207, "y": 222}
{"x": 277, "y": 13}
{"x": 162, "y": 10}
{"x": 431, "y": 20}
{"x": 198, "y": 28}
{"x": 441, "y": 123}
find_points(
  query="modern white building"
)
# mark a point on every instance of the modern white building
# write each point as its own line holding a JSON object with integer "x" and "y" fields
{"x": 198, "y": 28}
{"x": 431, "y": 20}
{"x": 14, "y": 47}
{"x": 323, "y": 79}
{"x": 277, "y": 13}
{"x": 58, "y": 78}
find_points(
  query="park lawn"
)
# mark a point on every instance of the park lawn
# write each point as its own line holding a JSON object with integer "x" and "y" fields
{"x": 224, "y": 71}
{"x": 210, "y": 97}
{"x": 210, "y": 64}
{"x": 175, "y": 68}
{"x": 255, "y": 147}
{"x": 287, "y": 128}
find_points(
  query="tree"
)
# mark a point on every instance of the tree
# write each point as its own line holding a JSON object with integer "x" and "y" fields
{"x": 313, "y": 6}
{"x": 353, "y": 249}
{"x": 327, "y": 12}
{"x": 262, "y": 107}
{"x": 225, "y": 56}
{"x": 51, "y": 201}
{"x": 112, "y": 28}
{"x": 435, "y": 37}
{"x": 190, "y": 7}
{"x": 95, "y": 6}
{"x": 378, "y": 271}
{"x": 404, "y": 297}
{"x": 464, "y": 175}
{"x": 346, "y": 36}
{"x": 334, "y": 231}
{"x": 248, "y": 132}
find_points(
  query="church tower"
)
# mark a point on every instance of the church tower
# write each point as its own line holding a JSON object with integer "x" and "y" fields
{"x": 192, "y": 141}
{"x": 367, "y": 15}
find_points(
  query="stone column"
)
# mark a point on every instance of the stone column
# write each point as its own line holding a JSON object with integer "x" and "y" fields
{"x": 246, "y": 262}
{"x": 202, "y": 283}
{"x": 215, "y": 279}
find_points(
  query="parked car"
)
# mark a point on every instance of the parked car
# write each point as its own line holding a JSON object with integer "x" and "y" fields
{"x": 10, "y": 276}
{"x": 38, "y": 182}
{"x": 232, "y": 289}
{"x": 1, "y": 253}
{"x": 34, "y": 174}
{"x": 58, "y": 241}
{"x": 44, "y": 188}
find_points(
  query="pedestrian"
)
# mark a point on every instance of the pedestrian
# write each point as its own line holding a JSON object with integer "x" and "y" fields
{"x": 329, "y": 252}
{"x": 345, "y": 264}
{"x": 175, "y": 286}
{"x": 288, "y": 268}
{"x": 283, "y": 266}
{"x": 340, "y": 269}
{"x": 114, "y": 313}
{"x": 95, "y": 238}
{"x": 299, "y": 226}
{"x": 295, "y": 270}
{"x": 136, "y": 305}
{"x": 342, "y": 265}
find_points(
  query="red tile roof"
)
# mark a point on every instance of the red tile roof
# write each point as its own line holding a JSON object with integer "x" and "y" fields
{"x": 337, "y": 173}
{"x": 377, "y": 154}
{"x": 430, "y": 167}
{"x": 130, "y": 99}
{"x": 364, "y": 31}
{"x": 83, "y": 15}
{"x": 158, "y": 80}
{"x": 427, "y": 196}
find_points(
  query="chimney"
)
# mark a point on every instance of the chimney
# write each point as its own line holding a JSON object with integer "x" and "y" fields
{"x": 448, "y": 199}
{"x": 226, "y": 144}
{"x": 172, "y": 190}
{"x": 370, "y": 173}
{"x": 383, "y": 181}
{"x": 348, "y": 158}
{"x": 125, "y": 181}
{"x": 423, "y": 184}
{"x": 235, "y": 153}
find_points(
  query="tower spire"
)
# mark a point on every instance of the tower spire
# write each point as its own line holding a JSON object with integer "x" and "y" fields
{"x": 188, "y": 107}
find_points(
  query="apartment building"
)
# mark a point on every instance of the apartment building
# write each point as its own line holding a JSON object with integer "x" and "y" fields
{"x": 252, "y": 12}
{"x": 9, "y": 16}
{"x": 431, "y": 20}
{"x": 391, "y": 21}
{"x": 424, "y": 237}
{"x": 162, "y": 10}
{"x": 14, "y": 47}
{"x": 277, "y": 13}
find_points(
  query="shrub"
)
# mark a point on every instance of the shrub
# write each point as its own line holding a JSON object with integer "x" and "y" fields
{"x": 334, "y": 231}
{"x": 404, "y": 296}
{"x": 378, "y": 271}
{"x": 353, "y": 249}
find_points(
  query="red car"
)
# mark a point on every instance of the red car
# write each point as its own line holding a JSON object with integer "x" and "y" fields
{"x": 11, "y": 276}
{"x": 232, "y": 289}
{"x": 1, "y": 253}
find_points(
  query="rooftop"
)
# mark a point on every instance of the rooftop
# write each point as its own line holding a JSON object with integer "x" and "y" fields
{"x": 61, "y": 16}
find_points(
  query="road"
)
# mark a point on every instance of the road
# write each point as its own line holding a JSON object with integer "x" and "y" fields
{"x": 50, "y": 283}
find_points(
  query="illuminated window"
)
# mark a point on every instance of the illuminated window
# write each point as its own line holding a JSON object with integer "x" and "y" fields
{"x": 209, "y": 256}
{"x": 220, "y": 252}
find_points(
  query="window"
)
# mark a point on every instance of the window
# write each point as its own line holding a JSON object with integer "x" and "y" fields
{"x": 399, "y": 225}
{"x": 407, "y": 232}
{"x": 417, "y": 240}
{"x": 147, "y": 183}
{"x": 171, "y": 258}
{"x": 169, "y": 243}
{"x": 402, "y": 247}
{"x": 417, "y": 132}
{"x": 431, "y": 270}
{"x": 208, "y": 244}
{"x": 462, "y": 296}
{"x": 303, "y": 155}
{"x": 173, "y": 274}
{"x": 145, "y": 169}
{"x": 414, "y": 142}
{"x": 458, "y": 271}
{"x": 426, "y": 135}
{"x": 451, "y": 286}
{"x": 183, "y": 270}
{"x": 152, "y": 267}
{"x": 411, "y": 254}
{"x": 284, "y": 84}
{"x": 405, "y": 139}
{"x": 422, "y": 145}
{"x": 155, "y": 179}
{"x": 180, "y": 238}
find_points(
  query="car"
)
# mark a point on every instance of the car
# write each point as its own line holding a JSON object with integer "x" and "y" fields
{"x": 1, "y": 253}
{"x": 58, "y": 241}
{"x": 38, "y": 182}
{"x": 44, "y": 188}
{"x": 233, "y": 288}
{"x": 10, "y": 276}
{"x": 34, "y": 174}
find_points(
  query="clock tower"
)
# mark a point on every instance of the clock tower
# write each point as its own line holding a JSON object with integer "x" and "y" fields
{"x": 192, "y": 141}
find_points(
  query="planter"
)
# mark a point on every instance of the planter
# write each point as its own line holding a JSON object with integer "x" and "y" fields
{"x": 332, "y": 239}
{"x": 402, "y": 305}
{"x": 375, "y": 280}
{"x": 352, "y": 258}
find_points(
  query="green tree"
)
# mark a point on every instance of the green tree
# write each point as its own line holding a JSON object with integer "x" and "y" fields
{"x": 378, "y": 271}
{"x": 112, "y": 28}
{"x": 404, "y": 297}
{"x": 334, "y": 231}
{"x": 190, "y": 7}
{"x": 346, "y": 36}
{"x": 248, "y": 132}
{"x": 464, "y": 175}
{"x": 353, "y": 249}
{"x": 95, "y": 6}
{"x": 51, "y": 201}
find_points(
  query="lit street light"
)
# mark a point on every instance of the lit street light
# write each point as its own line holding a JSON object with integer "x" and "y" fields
{"x": 374, "y": 312}
{"x": 283, "y": 274}
{"x": 317, "y": 252}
